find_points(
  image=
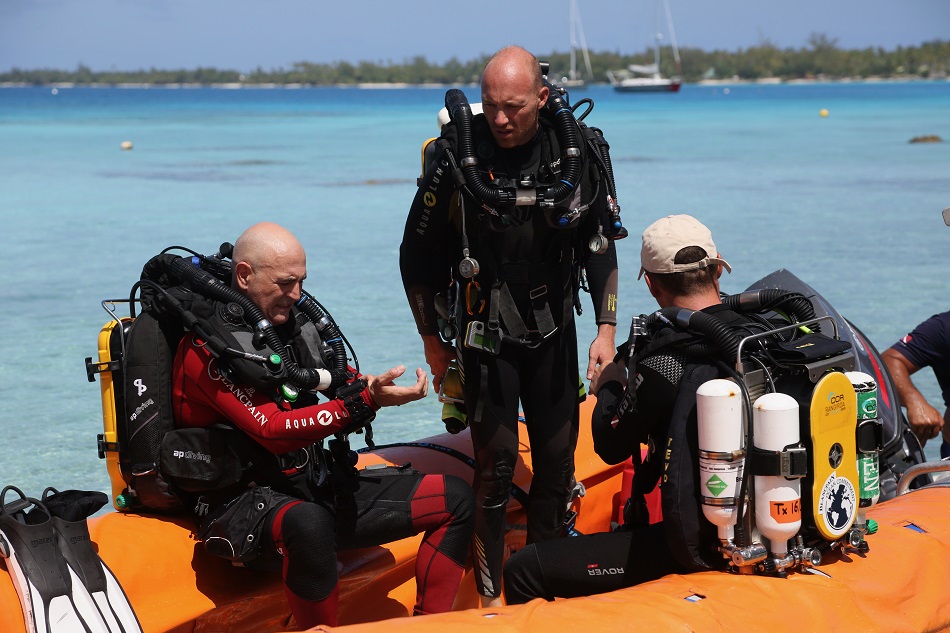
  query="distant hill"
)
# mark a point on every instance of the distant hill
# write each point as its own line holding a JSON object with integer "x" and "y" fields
{"x": 820, "y": 59}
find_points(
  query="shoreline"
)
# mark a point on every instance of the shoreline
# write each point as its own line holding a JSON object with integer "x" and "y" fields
{"x": 733, "y": 81}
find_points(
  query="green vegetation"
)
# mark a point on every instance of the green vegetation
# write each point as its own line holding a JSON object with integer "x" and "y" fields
{"x": 820, "y": 59}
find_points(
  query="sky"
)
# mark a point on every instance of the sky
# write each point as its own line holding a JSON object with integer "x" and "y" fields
{"x": 244, "y": 35}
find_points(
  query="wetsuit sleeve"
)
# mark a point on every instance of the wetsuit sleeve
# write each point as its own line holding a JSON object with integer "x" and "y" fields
{"x": 602, "y": 275}
{"x": 425, "y": 255}
{"x": 656, "y": 385}
{"x": 201, "y": 397}
{"x": 602, "y": 280}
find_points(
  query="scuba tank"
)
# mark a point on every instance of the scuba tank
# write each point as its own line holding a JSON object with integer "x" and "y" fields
{"x": 869, "y": 437}
{"x": 721, "y": 453}
{"x": 778, "y": 499}
{"x": 780, "y": 367}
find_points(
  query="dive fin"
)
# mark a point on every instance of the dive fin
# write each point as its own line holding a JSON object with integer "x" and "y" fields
{"x": 28, "y": 545}
{"x": 69, "y": 510}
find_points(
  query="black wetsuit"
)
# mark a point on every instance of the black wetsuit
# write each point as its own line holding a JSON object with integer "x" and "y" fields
{"x": 638, "y": 552}
{"x": 538, "y": 265}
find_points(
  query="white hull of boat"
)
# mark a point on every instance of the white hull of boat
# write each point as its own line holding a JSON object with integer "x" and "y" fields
{"x": 647, "y": 84}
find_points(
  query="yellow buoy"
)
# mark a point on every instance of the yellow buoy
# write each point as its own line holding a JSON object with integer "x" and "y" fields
{"x": 823, "y": 112}
{"x": 125, "y": 145}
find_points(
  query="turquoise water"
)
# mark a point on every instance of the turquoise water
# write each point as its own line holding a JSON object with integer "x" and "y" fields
{"x": 843, "y": 201}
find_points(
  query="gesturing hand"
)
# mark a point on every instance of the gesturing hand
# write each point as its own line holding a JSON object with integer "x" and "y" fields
{"x": 386, "y": 393}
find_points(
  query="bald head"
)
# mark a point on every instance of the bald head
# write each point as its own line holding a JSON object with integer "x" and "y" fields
{"x": 264, "y": 242}
{"x": 512, "y": 96}
{"x": 270, "y": 266}
{"x": 513, "y": 64}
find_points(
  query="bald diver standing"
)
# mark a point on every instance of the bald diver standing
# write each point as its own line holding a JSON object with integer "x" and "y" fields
{"x": 516, "y": 205}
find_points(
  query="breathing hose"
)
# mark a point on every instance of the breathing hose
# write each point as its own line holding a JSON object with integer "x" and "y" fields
{"x": 203, "y": 282}
{"x": 457, "y": 105}
{"x": 723, "y": 341}
{"x": 796, "y": 304}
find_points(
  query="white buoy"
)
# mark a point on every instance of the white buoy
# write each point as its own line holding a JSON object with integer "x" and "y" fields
{"x": 125, "y": 145}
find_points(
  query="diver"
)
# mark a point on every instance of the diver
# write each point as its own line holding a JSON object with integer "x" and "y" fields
{"x": 298, "y": 503}
{"x": 516, "y": 205}
{"x": 681, "y": 267}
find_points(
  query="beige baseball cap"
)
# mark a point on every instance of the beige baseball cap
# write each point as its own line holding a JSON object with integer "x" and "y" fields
{"x": 663, "y": 239}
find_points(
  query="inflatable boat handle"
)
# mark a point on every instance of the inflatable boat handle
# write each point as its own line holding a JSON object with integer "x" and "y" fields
{"x": 927, "y": 468}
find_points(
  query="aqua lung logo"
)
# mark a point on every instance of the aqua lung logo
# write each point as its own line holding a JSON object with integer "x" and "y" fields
{"x": 324, "y": 418}
{"x": 429, "y": 197}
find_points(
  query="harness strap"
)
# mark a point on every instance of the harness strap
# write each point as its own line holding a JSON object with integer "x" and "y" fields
{"x": 503, "y": 305}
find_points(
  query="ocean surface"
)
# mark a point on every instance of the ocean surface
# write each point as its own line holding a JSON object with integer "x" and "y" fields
{"x": 844, "y": 201}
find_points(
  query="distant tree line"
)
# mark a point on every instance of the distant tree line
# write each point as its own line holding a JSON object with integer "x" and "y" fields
{"x": 821, "y": 58}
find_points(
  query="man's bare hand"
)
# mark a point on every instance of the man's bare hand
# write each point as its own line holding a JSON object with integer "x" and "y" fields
{"x": 602, "y": 351}
{"x": 438, "y": 354}
{"x": 386, "y": 393}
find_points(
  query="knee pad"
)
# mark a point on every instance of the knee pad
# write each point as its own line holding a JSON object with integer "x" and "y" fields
{"x": 503, "y": 471}
{"x": 309, "y": 541}
{"x": 459, "y": 499}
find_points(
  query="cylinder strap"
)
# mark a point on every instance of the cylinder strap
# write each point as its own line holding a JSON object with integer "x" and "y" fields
{"x": 870, "y": 436}
{"x": 791, "y": 463}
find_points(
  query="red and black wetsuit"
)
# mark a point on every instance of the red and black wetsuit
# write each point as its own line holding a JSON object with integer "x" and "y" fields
{"x": 304, "y": 526}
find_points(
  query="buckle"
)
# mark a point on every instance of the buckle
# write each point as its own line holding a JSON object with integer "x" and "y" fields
{"x": 538, "y": 292}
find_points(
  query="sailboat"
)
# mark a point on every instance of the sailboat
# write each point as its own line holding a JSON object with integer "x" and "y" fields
{"x": 574, "y": 77}
{"x": 647, "y": 77}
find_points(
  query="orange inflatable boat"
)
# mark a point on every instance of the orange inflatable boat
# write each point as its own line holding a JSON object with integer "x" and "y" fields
{"x": 898, "y": 586}
{"x": 895, "y": 585}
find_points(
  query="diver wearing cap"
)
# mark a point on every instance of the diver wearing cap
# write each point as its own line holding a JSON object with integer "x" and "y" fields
{"x": 510, "y": 210}
{"x": 681, "y": 267}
